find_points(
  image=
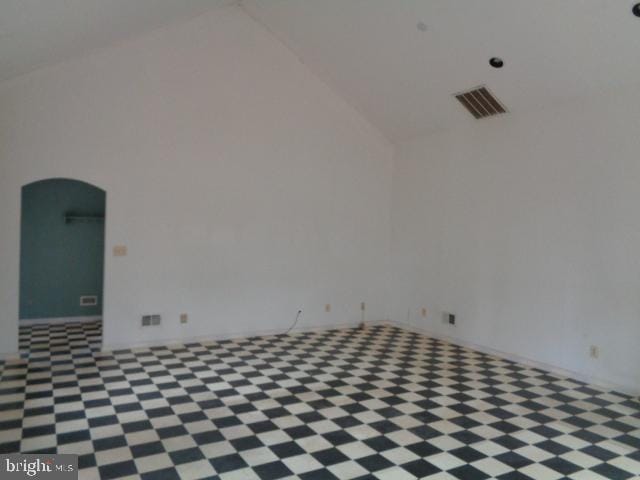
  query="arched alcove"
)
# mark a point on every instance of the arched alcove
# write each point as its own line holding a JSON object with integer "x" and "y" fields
{"x": 61, "y": 252}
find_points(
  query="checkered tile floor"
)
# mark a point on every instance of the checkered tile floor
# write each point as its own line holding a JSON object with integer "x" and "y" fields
{"x": 383, "y": 403}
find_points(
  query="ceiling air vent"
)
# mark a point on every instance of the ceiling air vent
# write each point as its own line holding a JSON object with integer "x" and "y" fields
{"x": 480, "y": 102}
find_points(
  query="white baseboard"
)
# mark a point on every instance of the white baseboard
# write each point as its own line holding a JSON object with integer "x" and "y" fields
{"x": 56, "y": 320}
{"x": 9, "y": 357}
{"x": 557, "y": 371}
{"x": 230, "y": 336}
{"x": 554, "y": 370}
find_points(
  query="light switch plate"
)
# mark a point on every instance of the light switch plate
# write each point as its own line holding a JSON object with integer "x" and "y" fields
{"x": 120, "y": 251}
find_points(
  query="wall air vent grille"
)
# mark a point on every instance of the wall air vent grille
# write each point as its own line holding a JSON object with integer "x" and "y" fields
{"x": 480, "y": 102}
{"x": 88, "y": 300}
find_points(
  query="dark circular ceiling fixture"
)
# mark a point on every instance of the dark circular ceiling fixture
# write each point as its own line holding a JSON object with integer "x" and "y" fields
{"x": 636, "y": 9}
{"x": 496, "y": 62}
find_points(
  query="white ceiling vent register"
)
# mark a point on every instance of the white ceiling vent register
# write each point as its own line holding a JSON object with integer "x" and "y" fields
{"x": 480, "y": 102}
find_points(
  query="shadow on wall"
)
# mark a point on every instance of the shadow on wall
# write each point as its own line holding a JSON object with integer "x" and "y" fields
{"x": 61, "y": 249}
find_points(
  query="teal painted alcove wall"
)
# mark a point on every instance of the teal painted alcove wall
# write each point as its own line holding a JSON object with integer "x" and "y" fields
{"x": 60, "y": 261}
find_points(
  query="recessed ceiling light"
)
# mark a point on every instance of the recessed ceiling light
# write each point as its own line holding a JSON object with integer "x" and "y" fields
{"x": 422, "y": 26}
{"x": 496, "y": 62}
{"x": 636, "y": 9}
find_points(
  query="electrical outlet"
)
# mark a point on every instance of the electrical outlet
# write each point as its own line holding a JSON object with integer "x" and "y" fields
{"x": 451, "y": 318}
{"x": 594, "y": 351}
{"x": 327, "y": 307}
{"x": 146, "y": 320}
{"x": 424, "y": 312}
{"x": 184, "y": 318}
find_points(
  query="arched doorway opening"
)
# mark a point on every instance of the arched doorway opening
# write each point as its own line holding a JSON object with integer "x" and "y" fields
{"x": 61, "y": 264}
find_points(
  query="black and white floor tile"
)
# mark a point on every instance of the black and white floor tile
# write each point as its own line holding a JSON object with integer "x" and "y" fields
{"x": 382, "y": 403}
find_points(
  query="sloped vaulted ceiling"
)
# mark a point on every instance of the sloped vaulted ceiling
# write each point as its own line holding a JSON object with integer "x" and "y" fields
{"x": 35, "y": 33}
{"x": 403, "y": 77}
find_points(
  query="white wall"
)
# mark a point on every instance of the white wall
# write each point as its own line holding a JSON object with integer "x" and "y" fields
{"x": 528, "y": 228}
{"x": 243, "y": 187}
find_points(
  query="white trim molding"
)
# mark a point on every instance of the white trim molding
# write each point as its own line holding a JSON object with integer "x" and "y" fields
{"x": 51, "y": 321}
{"x": 554, "y": 370}
{"x": 10, "y": 357}
{"x": 230, "y": 336}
